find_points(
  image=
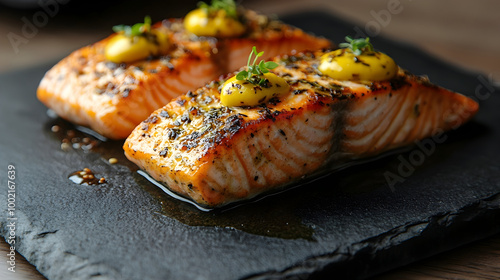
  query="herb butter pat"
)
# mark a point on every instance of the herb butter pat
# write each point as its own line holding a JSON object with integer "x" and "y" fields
{"x": 253, "y": 86}
{"x": 358, "y": 62}
{"x": 220, "y": 19}
{"x": 132, "y": 43}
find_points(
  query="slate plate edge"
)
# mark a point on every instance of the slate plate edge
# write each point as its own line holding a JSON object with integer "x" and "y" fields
{"x": 343, "y": 262}
{"x": 362, "y": 259}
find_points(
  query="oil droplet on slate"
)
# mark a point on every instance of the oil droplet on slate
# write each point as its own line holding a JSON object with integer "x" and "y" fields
{"x": 85, "y": 177}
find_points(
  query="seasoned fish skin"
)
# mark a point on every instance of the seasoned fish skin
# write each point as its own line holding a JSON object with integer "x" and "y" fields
{"x": 113, "y": 99}
{"x": 216, "y": 155}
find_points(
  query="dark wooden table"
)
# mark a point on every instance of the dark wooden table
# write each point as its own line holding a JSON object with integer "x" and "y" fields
{"x": 464, "y": 33}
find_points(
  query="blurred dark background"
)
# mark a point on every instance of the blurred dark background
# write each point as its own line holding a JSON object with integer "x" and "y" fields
{"x": 88, "y": 14}
{"x": 465, "y": 33}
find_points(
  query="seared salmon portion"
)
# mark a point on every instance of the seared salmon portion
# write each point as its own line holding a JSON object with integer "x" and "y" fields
{"x": 215, "y": 155}
{"x": 113, "y": 99}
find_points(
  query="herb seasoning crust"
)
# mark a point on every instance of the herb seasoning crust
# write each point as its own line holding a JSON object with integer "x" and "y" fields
{"x": 216, "y": 155}
{"x": 112, "y": 99}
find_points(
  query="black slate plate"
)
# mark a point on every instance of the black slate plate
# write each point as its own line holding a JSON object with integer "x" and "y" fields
{"x": 351, "y": 224}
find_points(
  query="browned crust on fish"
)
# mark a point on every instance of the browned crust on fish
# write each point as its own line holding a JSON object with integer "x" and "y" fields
{"x": 112, "y": 99}
{"x": 215, "y": 154}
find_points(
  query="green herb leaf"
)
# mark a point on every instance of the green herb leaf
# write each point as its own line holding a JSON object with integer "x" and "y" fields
{"x": 147, "y": 21}
{"x": 357, "y": 46}
{"x": 227, "y": 5}
{"x": 254, "y": 72}
{"x": 271, "y": 64}
{"x": 137, "y": 29}
{"x": 119, "y": 28}
{"x": 262, "y": 67}
{"x": 242, "y": 75}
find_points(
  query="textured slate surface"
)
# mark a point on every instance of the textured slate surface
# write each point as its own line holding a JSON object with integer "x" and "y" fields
{"x": 350, "y": 224}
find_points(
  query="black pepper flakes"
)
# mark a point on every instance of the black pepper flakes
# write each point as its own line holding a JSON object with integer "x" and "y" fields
{"x": 398, "y": 82}
{"x": 170, "y": 66}
{"x": 164, "y": 114}
{"x": 185, "y": 118}
{"x": 151, "y": 119}
{"x": 193, "y": 135}
{"x": 126, "y": 92}
{"x": 233, "y": 124}
{"x": 172, "y": 133}
{"x": 357, "y": 60}
{"x": 416, "y": 110}
{"x": 274, "y": 101}
{"x": 292, "y": 66}
{"x": 267, "y": 113}
{"x": 164, "y": 152}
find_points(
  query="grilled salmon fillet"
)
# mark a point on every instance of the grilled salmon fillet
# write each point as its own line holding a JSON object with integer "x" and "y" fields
{"x": 112, "y": 99}
{"x": 216, "y": 155}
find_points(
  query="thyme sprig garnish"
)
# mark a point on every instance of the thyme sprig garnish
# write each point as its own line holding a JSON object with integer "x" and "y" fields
{"x": 137, "y": 29}
{"x": 254, "y": 71}
{"x": 227, "y": 5}
{"x": 357, "y": 46}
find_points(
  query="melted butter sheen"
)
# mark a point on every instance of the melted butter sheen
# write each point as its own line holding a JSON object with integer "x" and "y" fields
{"x": 219, "y": 25}
{"x": 243, "y": 93}
{"x": 345, "y": 65}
